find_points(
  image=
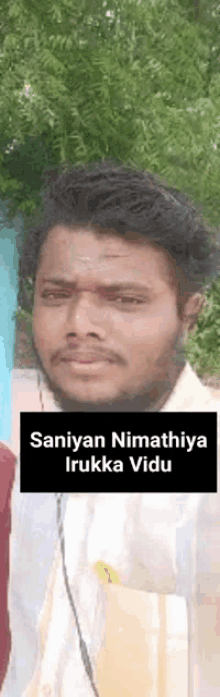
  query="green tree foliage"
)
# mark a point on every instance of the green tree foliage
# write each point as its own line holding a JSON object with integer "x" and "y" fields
{"x": 135, "y": 80}
{"x": 203, "y": 346}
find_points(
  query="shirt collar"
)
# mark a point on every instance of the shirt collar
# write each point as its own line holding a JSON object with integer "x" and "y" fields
{"x": 189, "y": 394}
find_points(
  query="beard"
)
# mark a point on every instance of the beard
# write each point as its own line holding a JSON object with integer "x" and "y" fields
{"x": 150, "y": 397}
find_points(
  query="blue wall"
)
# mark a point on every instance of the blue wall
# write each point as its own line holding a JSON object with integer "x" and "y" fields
{"x": 8, "y": 306}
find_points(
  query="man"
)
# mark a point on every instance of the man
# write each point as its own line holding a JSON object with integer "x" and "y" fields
{"x": 117, "y": 263}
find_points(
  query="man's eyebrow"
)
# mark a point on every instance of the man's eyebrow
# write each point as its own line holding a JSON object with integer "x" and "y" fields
{"x": 108, "y": 286}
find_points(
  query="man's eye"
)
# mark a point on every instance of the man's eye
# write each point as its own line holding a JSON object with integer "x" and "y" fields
{"x": 129, "y": 300}
{"x": 124, "y": 300}
{"x": 48, "y": 294}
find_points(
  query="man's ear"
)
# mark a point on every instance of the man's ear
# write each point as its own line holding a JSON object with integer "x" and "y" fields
{"x": 193, "y": 308}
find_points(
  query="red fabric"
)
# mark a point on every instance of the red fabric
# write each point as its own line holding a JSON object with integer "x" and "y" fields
{"x": 7, "y": 473}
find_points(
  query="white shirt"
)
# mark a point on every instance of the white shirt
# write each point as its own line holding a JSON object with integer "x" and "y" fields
{"x": 159, "y": 543}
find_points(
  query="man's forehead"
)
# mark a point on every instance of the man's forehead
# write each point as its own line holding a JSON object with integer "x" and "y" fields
{"x": 108, "y": 245}
{"x": 85, "y": 244}
{"x": 82, "y": 249}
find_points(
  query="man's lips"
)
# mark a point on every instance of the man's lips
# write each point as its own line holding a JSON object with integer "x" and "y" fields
{"x": 85, "y": 358}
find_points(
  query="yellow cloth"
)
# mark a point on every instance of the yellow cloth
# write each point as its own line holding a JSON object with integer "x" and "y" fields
{"x": 144, "y": 650}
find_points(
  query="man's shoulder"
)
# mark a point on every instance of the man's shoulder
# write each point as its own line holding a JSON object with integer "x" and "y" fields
{"x": 25, "y": 392}
{"x": 24, "y": 375}
{"x": 190, "y": 394}
{"x": 215, "y": 394}
{"x": 215, "y": 400}
{"x": 24, "y": 389}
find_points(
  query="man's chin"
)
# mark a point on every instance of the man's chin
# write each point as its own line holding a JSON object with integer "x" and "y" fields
{"x": 78, "y": 401}
{"x": 115, "y": 402}
{"x": 94, "y": 401}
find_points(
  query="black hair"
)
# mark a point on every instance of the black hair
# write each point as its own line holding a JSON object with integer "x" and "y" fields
{"x": 113, "y": 198}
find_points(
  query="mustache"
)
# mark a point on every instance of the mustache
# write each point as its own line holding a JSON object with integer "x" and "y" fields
{"x": 74, "y": 351}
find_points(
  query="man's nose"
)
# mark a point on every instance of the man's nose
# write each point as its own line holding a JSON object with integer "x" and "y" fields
{"x": 85, "y": 317}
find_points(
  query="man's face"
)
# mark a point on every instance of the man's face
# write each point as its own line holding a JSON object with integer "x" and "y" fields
{"x": 108, "y": 329}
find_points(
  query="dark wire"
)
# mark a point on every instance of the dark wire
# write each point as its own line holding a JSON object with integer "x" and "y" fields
{"x": 82, "y": 644}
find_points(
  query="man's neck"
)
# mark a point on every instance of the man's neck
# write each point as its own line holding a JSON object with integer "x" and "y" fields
{"x": 158, "y": 402}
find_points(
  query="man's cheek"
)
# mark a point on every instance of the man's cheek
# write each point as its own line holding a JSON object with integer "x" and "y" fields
{"x": 43, "y": 326}
{"x": 141, "y": 354}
